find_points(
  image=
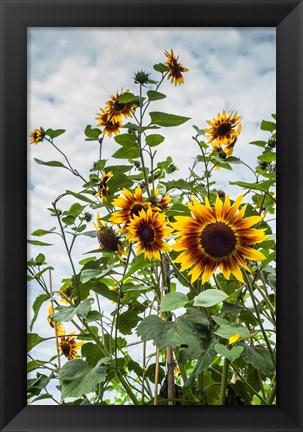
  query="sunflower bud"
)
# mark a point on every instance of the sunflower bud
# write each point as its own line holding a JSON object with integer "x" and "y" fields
{"x": 141, "y": 77}
{"x": 271, "y": 142}
{"x": 108, "y": 240}
{"x": 221, "y": 193}
{"x": 88, "y": 216}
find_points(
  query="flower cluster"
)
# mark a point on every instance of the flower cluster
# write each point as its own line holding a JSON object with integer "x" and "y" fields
{"x": 115, "y": 109}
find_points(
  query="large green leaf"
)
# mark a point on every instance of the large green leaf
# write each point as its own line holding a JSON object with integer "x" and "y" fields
{"x": 42, "y": 232}
{"x": 78, "y": 377}
{"x": 92, "y": 353}
{"x": 204, "y": 361}
{"x": 173, "y": 301}
{"x": 258, "y": 357}
{"x": 36, "y": 307}
{"x": 209, "y": 297}
{"x": 167, "y": 120}
{"x": 262, "y": 186}
{"x": 66, "y": 313}
{"x": 227, "y": 330}
{"x": 88, "y": 274}
{"x": 127, "y": 152}
{"x": 92, "y": 134}
{"x": 268, "y": 125}
{"x": 127, "y": 322}
{"x": 160, "y": 67}
{"x": 191, "y": 331}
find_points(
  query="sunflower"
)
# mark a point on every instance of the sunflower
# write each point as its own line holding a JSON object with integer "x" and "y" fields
{"x": 217, "y": 238}
{"x": 69, "y": 346}
{"x": 130, "y": 204}
{"x": 224, "y": 131}
{"x": 147, "y": 230}
{"x": 175, "y": 68}
{"x": 103, "y": 188}
{"x": 36, "y": 136}
{"x": 111, "y": 126}
{"x": 116, "y": 109}
{"x": 51, "y": 321}
{"x": 161, "y": 203}
{"x": 66, "y": 292}
{"x": 108, "y": 239}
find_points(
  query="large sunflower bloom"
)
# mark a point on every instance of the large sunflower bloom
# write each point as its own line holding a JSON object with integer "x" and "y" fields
{"x": 103, "y": 187}
{"x": 111, "y": 127}
{"x": 148, "y": 230}
{"x": 175, "y": 68}
{"x": 69, "y": 346}
{"x": 130, "y": 204}
{"x": 224, "y": 130}
{"x": 116, "y": 109}
{"x": 218, "y": 237}
{"x": 36, "y": 136}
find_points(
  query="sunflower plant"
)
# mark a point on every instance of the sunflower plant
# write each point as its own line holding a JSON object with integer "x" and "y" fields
{"x": 174, "y": 300}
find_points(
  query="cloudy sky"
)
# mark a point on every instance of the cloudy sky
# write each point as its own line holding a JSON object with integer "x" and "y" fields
{"x": 72, "y": 73}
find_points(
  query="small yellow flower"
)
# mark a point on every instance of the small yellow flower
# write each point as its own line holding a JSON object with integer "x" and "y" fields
{"x": 234, "y": 338}
{"x": 69, "y": 346}
{"x": 175, "y": 69}
{"x": 103, "y": 187}
{"x": 36, "y": 136}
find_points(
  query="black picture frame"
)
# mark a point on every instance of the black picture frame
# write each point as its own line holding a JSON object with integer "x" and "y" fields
{"x": 16, "y": 17}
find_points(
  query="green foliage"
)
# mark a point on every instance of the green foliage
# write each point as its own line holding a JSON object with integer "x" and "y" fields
{"x": 173, "y": 301}
{"x": 78, "y": 377}
{"x": 209, "y": 297}
{"x": 167, "y": 120}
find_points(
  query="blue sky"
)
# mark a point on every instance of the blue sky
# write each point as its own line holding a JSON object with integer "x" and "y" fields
{"x": 72, "y": 73}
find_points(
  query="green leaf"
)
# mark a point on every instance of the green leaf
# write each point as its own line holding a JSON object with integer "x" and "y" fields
{"x": 93, "y": 134}
{"x": 230, "y": 354}
{"x": 33, "y": 339}
{"x": 209, "y": 297}
{"x": 227, "y": 330}
{"x": 154, "y": 95}
{"x": 127, "y": 322}
{"x": 258, "y": 143}
{"x": 258, "y": 357}
{"x": 178, "y": 184}
{"x": 267, "y": 157}
{"x": 32, "y": 365}
{"x": 125, "y": 139}
{"x": 42, "y": 232}
{"x": 127, "y": 152}
{"x": 36, "y": 307}
{"x": 75, "y": 210}
{"x": 51, "y": 163}
{"x": 189, "y": 330}
{"x": 92, "y": 234}
{"x": 128, "y": 97}
{"x": 204, "y": 361}
{"x": 268, "y": 126}
{"x": 154, "y": 139}
{"x": 80, "y": 196}
{"x": 66, "y": 313}
{"x": 167, "y": 120}
{"x": 38, "y": 243}
{"x": 54, "y": 133}
{"x": 92, "y": 353}
{"x": 78, "y": 377}
{"x": 138, "y": 128}
{"x": 160, "y": 67}
{"x": 173, "y": 301}
{"x": 262, "y": 186}
{"x": 88, "y": 274}
{"x": 233, "y": 160}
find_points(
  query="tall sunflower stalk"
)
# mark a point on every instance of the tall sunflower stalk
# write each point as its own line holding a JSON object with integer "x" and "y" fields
{"x": 181, "y": 266}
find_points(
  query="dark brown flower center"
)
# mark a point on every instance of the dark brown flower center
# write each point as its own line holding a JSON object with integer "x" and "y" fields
{"x": 118, "y": 106}
{"x": 146, "y": 233}
{"x": 223, "y": 129}
{"x": 108, "y": 240}
{"x": 66, "y": 348}
{"x": 218, "y": 240}
{"x": 135, "y": 210}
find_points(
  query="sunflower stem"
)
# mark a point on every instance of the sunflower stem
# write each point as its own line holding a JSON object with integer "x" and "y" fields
{"x": 224, "y": 382}
{"x": 55, "y": 324}
{"x": 251, "y": 292}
